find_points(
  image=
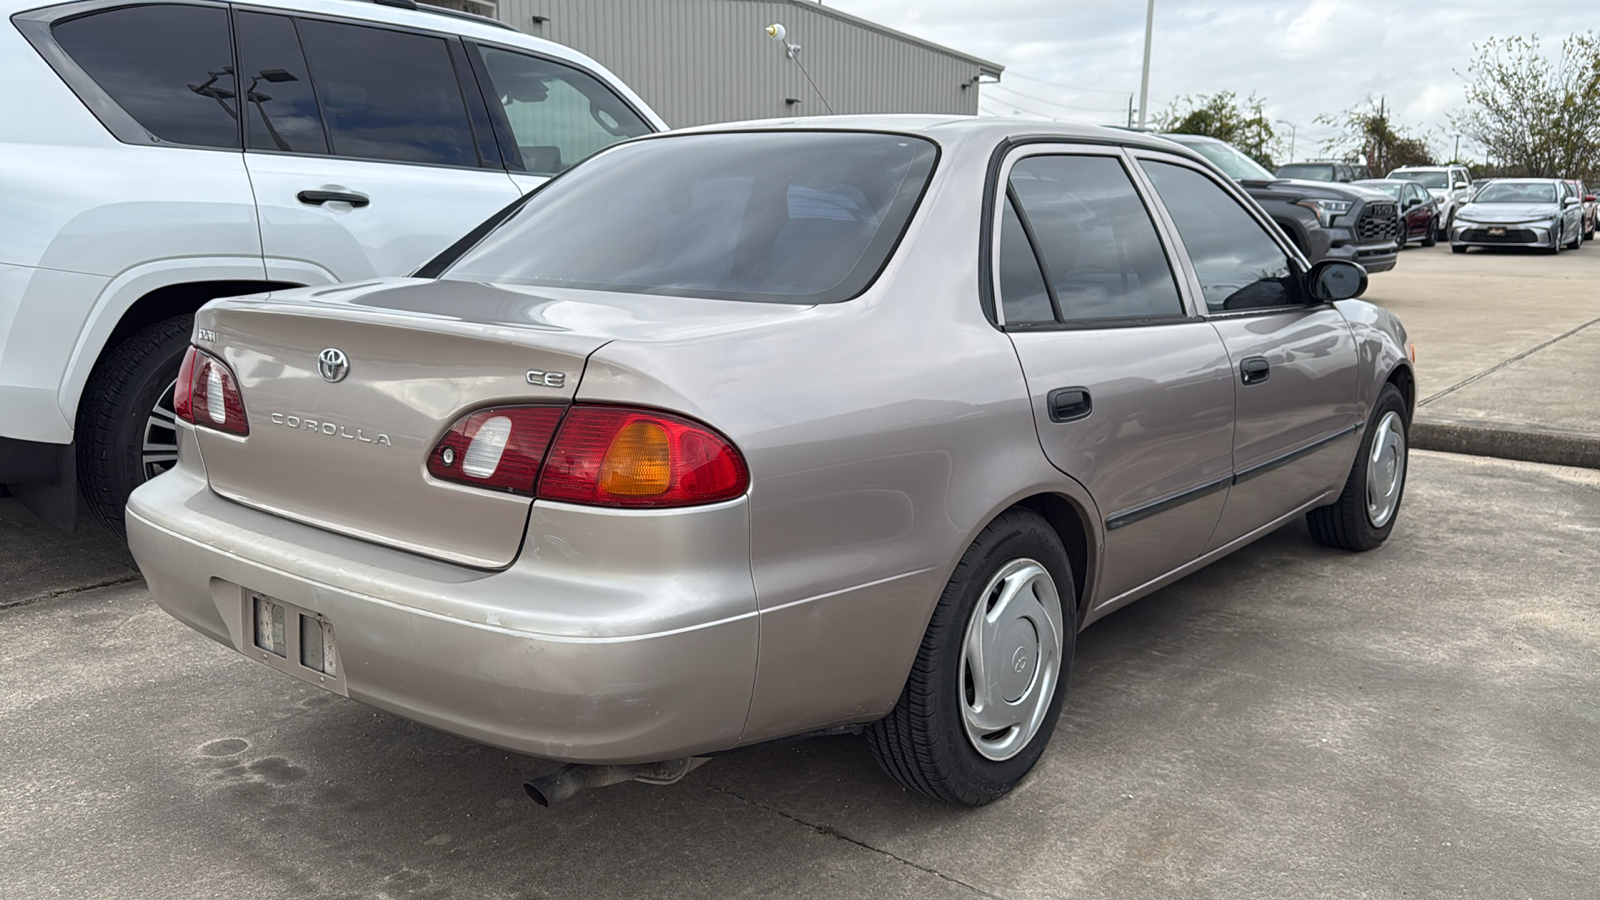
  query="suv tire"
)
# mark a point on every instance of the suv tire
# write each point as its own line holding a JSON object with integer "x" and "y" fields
{"x": 930, "y": 742}
{"x": 119, "y": 408}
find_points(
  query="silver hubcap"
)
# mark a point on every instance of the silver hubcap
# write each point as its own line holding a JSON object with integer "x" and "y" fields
{"x": 1386, "y": 469}
{"x": 1011, "y": 659}
{"x": 160, "y": 450}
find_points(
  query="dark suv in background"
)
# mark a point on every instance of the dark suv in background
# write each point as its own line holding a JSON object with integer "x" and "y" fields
{"x": 1325, "y": 171}
{"x": 1325, "y": 220}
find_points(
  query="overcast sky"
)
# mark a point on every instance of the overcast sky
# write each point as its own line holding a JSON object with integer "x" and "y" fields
{"x": 1078, "y": 60}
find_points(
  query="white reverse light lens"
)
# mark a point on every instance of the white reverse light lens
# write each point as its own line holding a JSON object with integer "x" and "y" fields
{"x": 216, "y": 406}
{"x": 483, "y": 454}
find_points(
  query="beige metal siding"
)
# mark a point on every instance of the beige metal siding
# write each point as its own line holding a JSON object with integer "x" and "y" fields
{"x": 700, "y": 61}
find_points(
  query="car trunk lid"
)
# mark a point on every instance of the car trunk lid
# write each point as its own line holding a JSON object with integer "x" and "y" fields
{"x": 349, "y": 453}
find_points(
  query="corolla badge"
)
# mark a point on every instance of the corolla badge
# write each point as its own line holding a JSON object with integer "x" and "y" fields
{"x": 333, "y": 365}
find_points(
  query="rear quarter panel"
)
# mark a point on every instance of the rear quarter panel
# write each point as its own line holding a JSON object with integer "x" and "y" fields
{"x": 882, "y": 434}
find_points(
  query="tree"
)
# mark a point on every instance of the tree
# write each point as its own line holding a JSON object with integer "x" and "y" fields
{"x": 1536, "y": 118}
{"x": 1369, "y": 135}
{"x": 1223, "y": 116}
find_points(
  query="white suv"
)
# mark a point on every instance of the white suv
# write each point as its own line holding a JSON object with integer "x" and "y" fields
{"x": 156, "y": 155}
{"x": 1451, "y": 185}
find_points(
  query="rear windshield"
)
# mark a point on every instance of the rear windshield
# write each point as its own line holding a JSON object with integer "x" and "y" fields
{"x": 1512, "y": 192}
{"x": 1306, "y": 173}
{"x": 1392, "y": 188}
{"x": 787, "y": 217}
{"x": 1426, "y": 179}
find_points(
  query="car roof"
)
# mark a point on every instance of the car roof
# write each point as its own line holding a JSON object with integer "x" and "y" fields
{"x": 954, "y": 128}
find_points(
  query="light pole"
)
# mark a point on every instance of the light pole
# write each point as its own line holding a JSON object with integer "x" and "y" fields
{"x": 1456, "y": 156}
{"x": 1292, "y": 132}
{"x": 1144, "y": 79}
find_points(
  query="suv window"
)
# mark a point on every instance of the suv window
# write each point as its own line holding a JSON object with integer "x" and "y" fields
{"x": 1097, "y": 245}
{"x": 169, "y": 67}
{"x": 280, "y": 107}
{"x": 794, "y": 217}
{"x": 390, "y": 95}
{"x": 558, "y": 114}
{"x": 1239, "y": 265}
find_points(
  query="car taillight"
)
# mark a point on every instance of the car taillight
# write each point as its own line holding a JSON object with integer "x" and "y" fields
{"x": 496, "y": 448}
{"x": 207, "y": 394}
{"x": 182, "y": 390}
{"x": 615, "y": 456}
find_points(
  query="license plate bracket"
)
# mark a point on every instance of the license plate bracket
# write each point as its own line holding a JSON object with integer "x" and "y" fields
{"x": 1497, "y": 232}
{"x": 294, "y": 640}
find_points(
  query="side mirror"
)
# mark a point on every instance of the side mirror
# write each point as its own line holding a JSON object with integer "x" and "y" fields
{"x": 1412, "y": 201}
{"x": 1570, "y": 201}
{"x": 1336, "y": 279}
{"x": 1588, "y": 198}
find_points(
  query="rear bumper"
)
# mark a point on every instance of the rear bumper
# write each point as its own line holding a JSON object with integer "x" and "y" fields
{"x": 619, "y": 665}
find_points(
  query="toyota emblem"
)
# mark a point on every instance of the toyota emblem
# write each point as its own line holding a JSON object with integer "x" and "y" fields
{"x": 333, "y": 365}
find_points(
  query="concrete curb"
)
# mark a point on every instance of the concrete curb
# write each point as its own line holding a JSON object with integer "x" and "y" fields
{"x": 1507, "y": 440}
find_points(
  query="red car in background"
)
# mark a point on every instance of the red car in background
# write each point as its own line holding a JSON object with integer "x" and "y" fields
{"x": 1418, "y": 209}
{"x": 1591, "y": 207}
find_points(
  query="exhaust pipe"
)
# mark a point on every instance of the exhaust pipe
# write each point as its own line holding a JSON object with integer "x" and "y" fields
{"x": 560, "y": 784}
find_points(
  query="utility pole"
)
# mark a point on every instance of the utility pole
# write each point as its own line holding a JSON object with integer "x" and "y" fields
{"x": 1130, "y": 110}
{"x": 1456, "y": 156}
{"x": 1144, "y": 79}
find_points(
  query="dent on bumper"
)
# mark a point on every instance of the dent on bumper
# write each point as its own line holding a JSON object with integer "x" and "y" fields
{"x": 620, "y": 666}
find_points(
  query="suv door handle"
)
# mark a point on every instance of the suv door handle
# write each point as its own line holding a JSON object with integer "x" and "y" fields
{"x": 317, "y": 198}
{"x": 1254, "y": 370}
{"x": 1069, "y": 404}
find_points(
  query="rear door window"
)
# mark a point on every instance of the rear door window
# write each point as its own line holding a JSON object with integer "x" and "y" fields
{"x": 1101, "y": 256}
{"x": 388, "y": 95}
{"x": 557, "y": 114}
{"x": 170, "y": 67}
{"x": 280, "y": 107}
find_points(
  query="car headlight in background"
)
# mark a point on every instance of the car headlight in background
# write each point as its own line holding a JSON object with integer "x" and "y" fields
{"x": 1326, "y": 210}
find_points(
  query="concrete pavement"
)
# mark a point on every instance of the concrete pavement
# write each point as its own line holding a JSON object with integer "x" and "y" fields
{"x": 1291, "y": 722}
{"x": 1508, "y": 350}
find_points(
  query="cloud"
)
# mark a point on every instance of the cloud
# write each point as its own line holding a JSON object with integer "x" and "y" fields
{"x": 1079, "y": 59}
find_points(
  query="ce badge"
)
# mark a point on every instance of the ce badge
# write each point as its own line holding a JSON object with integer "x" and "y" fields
{"x": 333, "y": 365}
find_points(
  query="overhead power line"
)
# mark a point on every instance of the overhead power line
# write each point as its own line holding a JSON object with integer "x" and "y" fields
{"x": 1055, "y": 102}
{"x": 1010, "y": 73}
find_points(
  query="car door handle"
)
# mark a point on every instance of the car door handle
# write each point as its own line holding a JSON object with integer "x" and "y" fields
{"x": 1069, "y": 404}
{"x": 317, "y": 198}
{"x": 1254, "y": 370}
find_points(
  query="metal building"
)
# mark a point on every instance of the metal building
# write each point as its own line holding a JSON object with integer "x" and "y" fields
{"x": 700, "y": 61}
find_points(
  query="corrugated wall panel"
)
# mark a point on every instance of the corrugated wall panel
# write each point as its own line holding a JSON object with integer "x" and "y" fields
{"x": 700, "y": 61}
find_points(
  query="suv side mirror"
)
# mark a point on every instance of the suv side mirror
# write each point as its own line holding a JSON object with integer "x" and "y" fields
{"x": 1336, "y": 279}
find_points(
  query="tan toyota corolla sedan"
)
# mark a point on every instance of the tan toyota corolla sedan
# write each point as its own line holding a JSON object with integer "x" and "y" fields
{"x": 774, "y": 429}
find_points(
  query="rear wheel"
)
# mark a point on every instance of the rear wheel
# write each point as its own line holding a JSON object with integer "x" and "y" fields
{"x": 1365, "y": 512}
{"x": 987, "y": 685}
{"x": 127, "y": 429}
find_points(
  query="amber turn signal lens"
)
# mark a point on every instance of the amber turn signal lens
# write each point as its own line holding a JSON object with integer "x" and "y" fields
{"x": 638, "y": 463}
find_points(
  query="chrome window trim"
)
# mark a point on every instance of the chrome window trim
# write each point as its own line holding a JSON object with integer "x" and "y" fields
{"x": 1170, "y": 247}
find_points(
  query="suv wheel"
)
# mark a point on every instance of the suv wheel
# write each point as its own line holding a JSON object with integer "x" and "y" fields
{"x": 987, "y": 685}
{"x": 127, "y": 431}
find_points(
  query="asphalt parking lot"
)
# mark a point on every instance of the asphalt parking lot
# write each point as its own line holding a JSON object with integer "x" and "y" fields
{"x": 1418, "y": 721}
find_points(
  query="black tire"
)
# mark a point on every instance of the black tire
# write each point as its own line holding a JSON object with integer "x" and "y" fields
{"x": 1432, "y": 237}
{"x": 1557, "y": 241}
{"x": 1345, "y": 523}
{"x": 1458, "y": 248}
{"x": 923, "y": 743}
{"x": 123, "y": 389}
{"x": 1577, "y": 238}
